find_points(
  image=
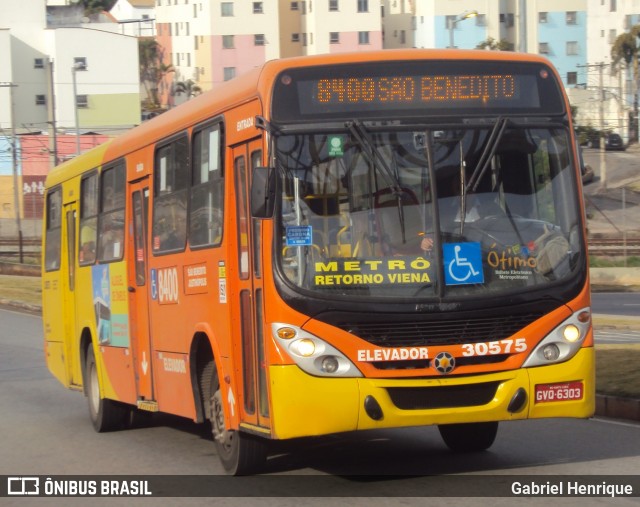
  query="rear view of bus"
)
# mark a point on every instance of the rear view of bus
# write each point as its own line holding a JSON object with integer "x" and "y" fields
{"x": 429, "y": 239}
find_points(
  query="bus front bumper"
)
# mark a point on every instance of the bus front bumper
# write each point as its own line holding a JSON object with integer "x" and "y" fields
{"x": 303, "y": 405}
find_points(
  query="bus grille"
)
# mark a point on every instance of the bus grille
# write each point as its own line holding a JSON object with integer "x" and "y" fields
{"x": 440, "y": 332}
{"x": 420, "y": 398}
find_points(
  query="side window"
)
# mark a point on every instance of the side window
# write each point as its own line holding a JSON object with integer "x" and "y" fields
{"x": 207, "y": 190}
{"x": 111, "y": 219}
{"x": 171, "y": 180}
{"x": 54, "y": 227}
{"x": 88, "y": 219}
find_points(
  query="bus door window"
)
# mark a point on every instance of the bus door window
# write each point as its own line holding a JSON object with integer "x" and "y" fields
{"x": 71, "y": 247}
{"x": 54, "y": 226}
{"x": 243, "y": 225}
{"x": 171, "y": 183}
{"x": 111, "y": 220}
{"x": 140, "y": 227}
{"x": 256, "y": 161}
{"x": 207, "y": 189}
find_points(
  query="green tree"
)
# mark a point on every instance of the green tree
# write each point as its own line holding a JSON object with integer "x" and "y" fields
{"x": 625, "y": 51}
{"x": 96, "y": 6}
{"x": 152, "y": 71}
{"x": 188, "y": 88}
{"x": 494, "y": 45}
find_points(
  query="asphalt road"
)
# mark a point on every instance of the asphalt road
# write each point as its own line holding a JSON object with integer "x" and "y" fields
{"x": 46, "y": 431}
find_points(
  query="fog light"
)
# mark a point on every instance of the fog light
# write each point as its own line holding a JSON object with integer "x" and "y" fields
{"x": 330, "y": 364}
{"x": 551, "y": 352}
{"x": 286, "y": 333}
{"x": 304, "y": 347}
{"x": 571, "y": 333}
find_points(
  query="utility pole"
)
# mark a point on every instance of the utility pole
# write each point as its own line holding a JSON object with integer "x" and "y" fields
{"x": 51, "y": 115}
{"x": 603, "y": 160}
{"x": 14, "y": 162}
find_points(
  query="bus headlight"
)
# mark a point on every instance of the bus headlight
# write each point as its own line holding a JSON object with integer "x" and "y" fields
{"x": 312, "y": 354}
{"x": 563, "y": 342}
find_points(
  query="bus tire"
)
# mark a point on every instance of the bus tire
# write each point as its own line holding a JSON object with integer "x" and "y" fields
{"x": 469, "y": 437}
{"x": 239, "y": 453}
{"x": 105, "y": 414}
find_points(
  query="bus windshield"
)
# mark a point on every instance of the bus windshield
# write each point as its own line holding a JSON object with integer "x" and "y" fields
{"x": 400, "y": 213}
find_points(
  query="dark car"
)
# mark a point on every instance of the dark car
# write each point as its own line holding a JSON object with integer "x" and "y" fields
{"x": 614, "y": 142}
{"x": 585, "y": 169}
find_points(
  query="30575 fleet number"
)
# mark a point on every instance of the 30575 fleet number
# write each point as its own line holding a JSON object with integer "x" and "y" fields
{"x": 494, "y": 348}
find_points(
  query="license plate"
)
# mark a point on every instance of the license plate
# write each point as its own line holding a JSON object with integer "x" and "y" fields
{"x": 566, "y": 391}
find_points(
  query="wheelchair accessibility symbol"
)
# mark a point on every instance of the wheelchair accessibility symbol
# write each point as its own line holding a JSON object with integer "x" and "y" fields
{"x": 463, "y": 263}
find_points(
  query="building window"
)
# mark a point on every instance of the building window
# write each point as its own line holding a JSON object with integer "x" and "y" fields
{"x": 38, "y": 63}
{"x": 481, "y": 20}
{"x": 572, "y": 48}
{"x": 295, "y": 6}
{"x": 258, "y": 39}
{"x": 363, "y": 37}
{"x": 227, "y": 42}
{"x": 363, "y": 5}
{"x": 572, "y": 17}
{"x": 229, "y": 73}
{"x": 82, "y": 101}
{"x": 257, "y": 8}
{"x": 295, "y": 37}
{"x": 41, "y": 100}
{"x": 542, "y": 17}
{"x": 333, "y": 5}
{"x": 226, "y": 9}
{"x": 612, "y": 36}
{"x": 613, "y": 6}
{"x": 80, "y": 63}
{"x": 334, "y": 37}
{"x": 403, "y": 37}
{"x": 572, "y": 78}
{"x": 543, "y": 48}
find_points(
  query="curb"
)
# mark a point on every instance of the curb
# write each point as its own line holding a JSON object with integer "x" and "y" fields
{"x": 615, "y": 407}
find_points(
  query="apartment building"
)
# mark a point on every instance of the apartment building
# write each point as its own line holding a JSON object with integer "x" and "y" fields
{"x": 211, "y": 41}
{"x": 135, "y": 17}
{"x": 60, "y": 74}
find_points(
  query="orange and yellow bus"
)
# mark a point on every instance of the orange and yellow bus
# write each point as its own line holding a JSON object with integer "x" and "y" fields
{"x": 329, "y": 244}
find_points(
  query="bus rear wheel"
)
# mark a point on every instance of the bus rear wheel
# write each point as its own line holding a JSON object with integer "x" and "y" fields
{"x": 239, "y": 453}
{"x": 469, "y": 437}
{"x": 105, "y": 414}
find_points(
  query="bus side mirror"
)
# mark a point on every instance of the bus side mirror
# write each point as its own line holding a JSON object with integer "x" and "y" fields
{"x": 263, "y": 192}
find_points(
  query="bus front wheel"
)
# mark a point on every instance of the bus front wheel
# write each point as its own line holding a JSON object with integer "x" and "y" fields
{"x": 469, "y": 437}
{"x": 106, "y": 415}
{"x": 239, "y": 453}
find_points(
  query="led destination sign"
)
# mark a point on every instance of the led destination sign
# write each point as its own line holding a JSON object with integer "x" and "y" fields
{"x": 369, "y": 90}
{"x": 415, "y": 88}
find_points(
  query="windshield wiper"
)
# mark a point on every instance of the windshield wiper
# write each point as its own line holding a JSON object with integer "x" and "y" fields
{"x": 373, "y": 155}
{"x": 487, "y": 154}
{"x": 375, "y": 158}
{"x": 481, "y": 168}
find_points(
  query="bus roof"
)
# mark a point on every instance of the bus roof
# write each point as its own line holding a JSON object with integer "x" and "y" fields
{"x": 257, "y": 83}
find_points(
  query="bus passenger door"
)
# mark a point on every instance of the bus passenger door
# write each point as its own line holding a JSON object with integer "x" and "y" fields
{"x": 68, "y": 280}
{"x": 247, "y": 310}
{"x": 138, "y": 287}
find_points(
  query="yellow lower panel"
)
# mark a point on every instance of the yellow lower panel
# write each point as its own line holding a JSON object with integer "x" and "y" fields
{"x": 580, "y": 368}
{"x": 307, "y": 406}
{"x": 54, "y": 355}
